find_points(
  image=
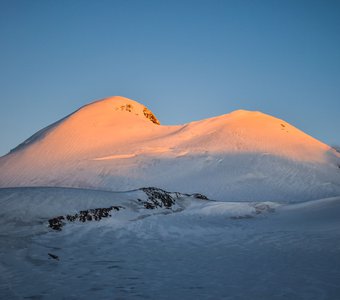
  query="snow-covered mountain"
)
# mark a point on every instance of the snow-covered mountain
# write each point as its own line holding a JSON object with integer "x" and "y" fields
{"x": 208, "y": 214}
{"x": 118, "y": 144}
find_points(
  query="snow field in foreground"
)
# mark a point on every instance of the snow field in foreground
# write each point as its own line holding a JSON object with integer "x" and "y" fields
{"x": 199, "y": 250}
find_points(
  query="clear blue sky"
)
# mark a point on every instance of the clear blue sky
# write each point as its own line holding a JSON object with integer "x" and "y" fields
{"x": 185, "y": 60}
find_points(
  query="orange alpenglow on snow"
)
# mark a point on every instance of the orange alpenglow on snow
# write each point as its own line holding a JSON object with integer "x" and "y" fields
{"x": 118, "y": 144}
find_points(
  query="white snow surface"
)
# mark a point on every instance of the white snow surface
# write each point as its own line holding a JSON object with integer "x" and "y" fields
{"x": 111, "y": 145}
{"x": 201, "y": 249}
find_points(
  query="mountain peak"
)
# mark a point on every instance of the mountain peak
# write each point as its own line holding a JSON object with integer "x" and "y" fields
{"x": 111, "y": 144}
{"x": 119, "y": 103}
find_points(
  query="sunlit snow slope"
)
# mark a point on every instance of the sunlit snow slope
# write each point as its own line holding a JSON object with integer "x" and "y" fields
{"x": 117, "y": 144}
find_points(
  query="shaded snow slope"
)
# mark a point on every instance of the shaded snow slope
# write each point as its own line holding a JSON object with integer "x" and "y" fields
{"x": 33, "y": 207}
{"x": 116, "y": 144}
{"x": 202, "y": 250}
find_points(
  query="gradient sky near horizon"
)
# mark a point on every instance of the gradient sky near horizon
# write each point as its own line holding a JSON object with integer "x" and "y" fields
{"x": 185, "y": 60}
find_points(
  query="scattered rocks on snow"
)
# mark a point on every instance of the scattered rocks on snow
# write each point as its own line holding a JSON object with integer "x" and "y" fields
{"x": 56, "y": 223}
{"x": 95, "y": 214}
{"x": 156, "y": 198}
{"x": 149, "y": 115}
{"x": 127, "y": 107}
{"x": 56, "y": 257}
{"x": 200, "y": 196}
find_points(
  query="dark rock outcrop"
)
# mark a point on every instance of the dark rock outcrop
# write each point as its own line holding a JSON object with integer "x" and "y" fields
{"x": 56, "y": 257}
{"x": 156, "y": 198}
{"x": 95, "y": 214}
{"x": 199, "y": 196}
{"x": 149, "y": 115}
